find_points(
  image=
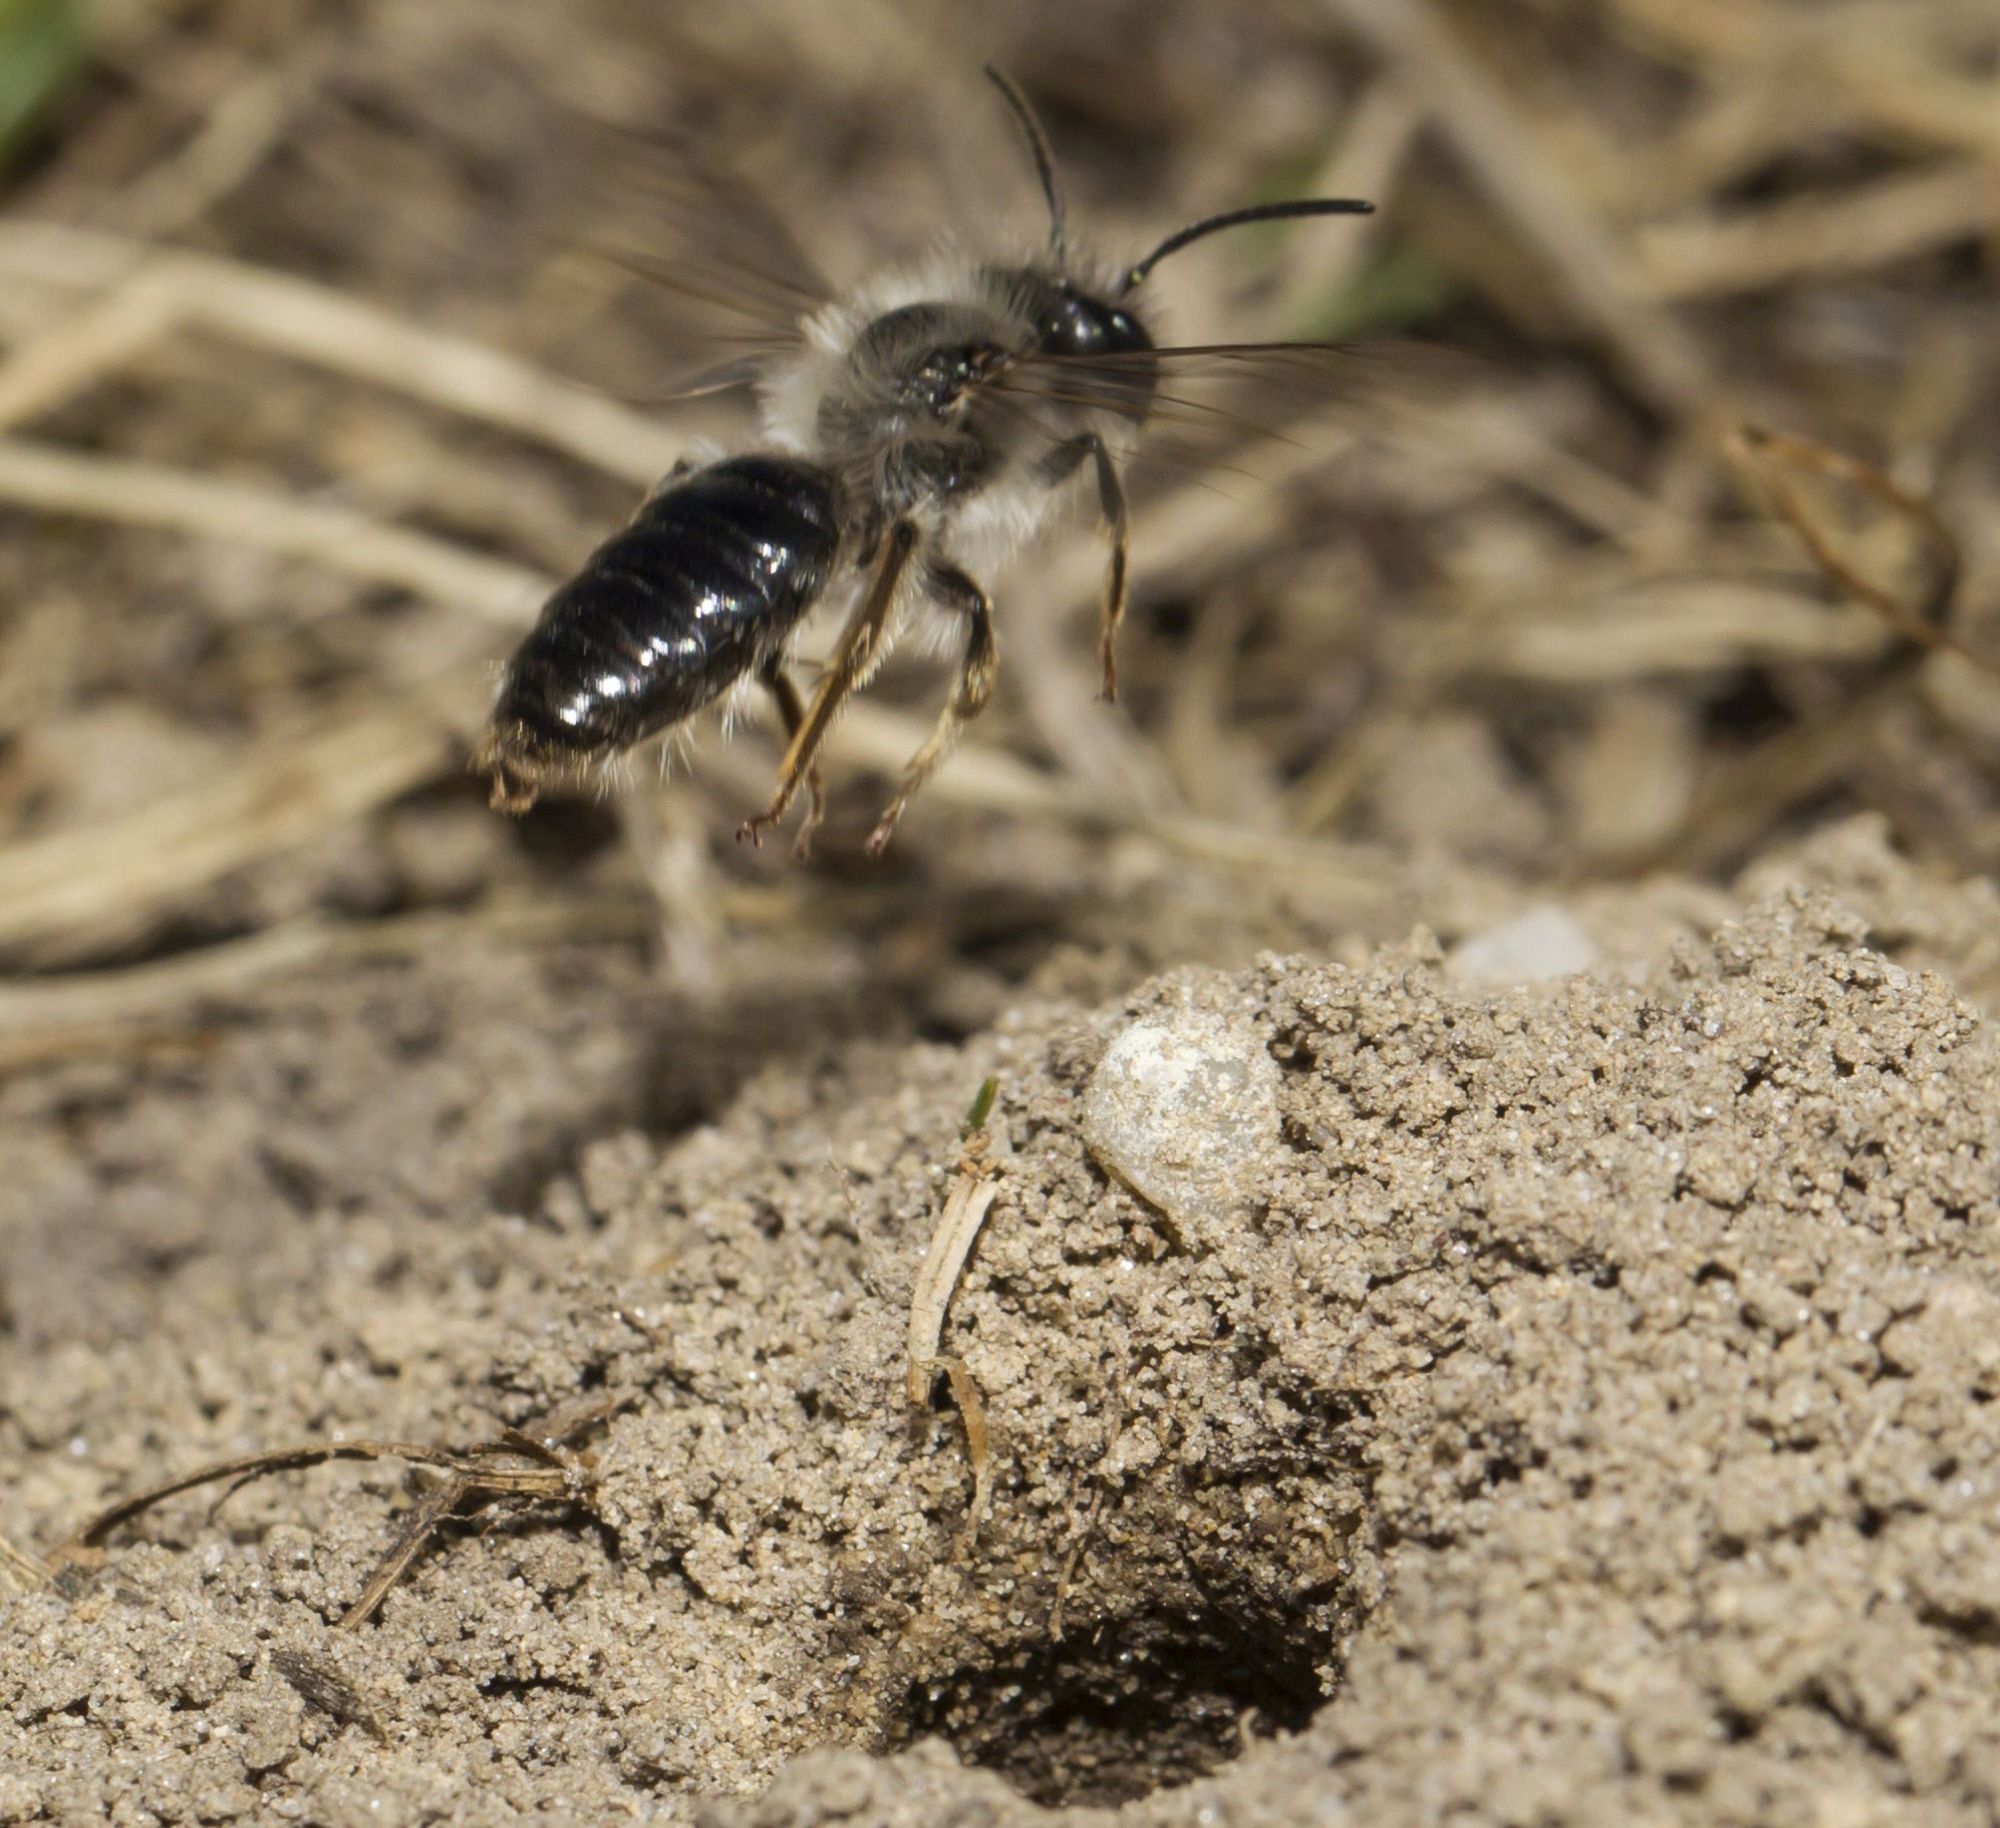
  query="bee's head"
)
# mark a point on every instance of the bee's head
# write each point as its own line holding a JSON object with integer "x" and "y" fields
{"x": 1108, "y": 342}
{"x": 1071, "y": 322}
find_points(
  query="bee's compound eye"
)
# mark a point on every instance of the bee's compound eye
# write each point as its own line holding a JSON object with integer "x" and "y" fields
{"x": 1123, "y": 331}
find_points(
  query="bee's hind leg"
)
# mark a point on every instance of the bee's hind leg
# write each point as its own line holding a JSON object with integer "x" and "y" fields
{"x": 852, "y": 657}
{"x": 1061, "y": 464}
{"x": 955, "y": 591}
{"x": 792, "y": 712}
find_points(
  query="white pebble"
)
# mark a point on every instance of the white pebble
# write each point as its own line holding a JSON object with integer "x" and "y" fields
{"x": 1182, "y": 1109}
{"x": 1542, "y": 943}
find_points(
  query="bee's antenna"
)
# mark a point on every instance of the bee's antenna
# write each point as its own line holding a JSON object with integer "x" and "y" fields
{"x": 1038, "y": 145}
{"x": 1256, "y": 212}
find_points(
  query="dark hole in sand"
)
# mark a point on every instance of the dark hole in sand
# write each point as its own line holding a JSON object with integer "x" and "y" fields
{"x": 1120, "y": 1710}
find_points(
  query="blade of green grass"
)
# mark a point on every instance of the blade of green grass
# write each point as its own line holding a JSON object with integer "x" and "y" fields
{"x": 43, "y": 46}
{"x": 1396, "y": 290}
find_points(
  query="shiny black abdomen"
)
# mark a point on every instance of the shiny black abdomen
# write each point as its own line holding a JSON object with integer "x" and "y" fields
{"x": 699, "y": 590}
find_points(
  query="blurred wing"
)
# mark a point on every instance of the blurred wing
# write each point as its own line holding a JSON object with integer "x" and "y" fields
{"x": 693, "y": 261}
{"x": 1202, "y": 399}
{"x": 1223, "y": 382}
{"x": 678, "y": 215}
{"x": 667, "y": 267}
{"x": 681, "y": 277}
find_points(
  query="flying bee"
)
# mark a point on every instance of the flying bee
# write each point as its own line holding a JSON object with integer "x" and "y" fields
{"x": 915, "y": 432}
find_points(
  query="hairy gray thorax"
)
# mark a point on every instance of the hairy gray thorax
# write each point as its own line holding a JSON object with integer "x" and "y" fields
{"x": 906, "y": 417}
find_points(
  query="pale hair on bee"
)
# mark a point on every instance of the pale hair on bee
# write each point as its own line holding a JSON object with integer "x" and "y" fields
{"x": 914, "y": 433}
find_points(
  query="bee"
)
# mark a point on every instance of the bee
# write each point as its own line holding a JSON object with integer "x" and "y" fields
{"x": 915, "y": 432}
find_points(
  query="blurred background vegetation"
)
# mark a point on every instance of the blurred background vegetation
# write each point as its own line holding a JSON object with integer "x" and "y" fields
{"x": 44, "y": 46}
{"x": 293, "y": 299}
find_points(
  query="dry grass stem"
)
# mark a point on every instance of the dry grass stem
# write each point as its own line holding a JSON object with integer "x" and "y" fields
{"x": 1359, "y": 880}
{"x": 1663, "y": 629}
{"x": 974, "y": 1184}
{"x": 1804, "y": 238}
{"x": 242, "y": 130}
{"x": 23, "y": 1569}
{"x": 1764, "y": 456}
{"x": 286, "y": 789}
{"x": 53, "y": 481}
{"x": 1072, "y": 1559}
{"x": 1374, "y": 147}
{"x": 310, "y": 323}
{"x": 1873, "y": 71}
{"x": 667, "y": 834}
{"x": 515, "y": 1470}
{"x": 1746, "y": 796}
{"x": 321, "y": 1686}
{"x": 101, "y": 1001}
{"x": 1500, "y": 154}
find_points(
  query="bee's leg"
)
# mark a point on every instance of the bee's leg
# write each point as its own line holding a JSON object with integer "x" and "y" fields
{"x": 955, "y": 591}
{"x": 792, "y": 710}
{"x": 849, "y": 664}
{"x": 1060, "y": 464}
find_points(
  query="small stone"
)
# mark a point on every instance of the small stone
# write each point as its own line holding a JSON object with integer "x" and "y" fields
{"x": 1182, "y": 1109}
{"x": 1542, "y": 943}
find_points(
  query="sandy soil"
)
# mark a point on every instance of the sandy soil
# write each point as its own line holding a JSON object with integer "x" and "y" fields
{"x": 1586, "y": 1420}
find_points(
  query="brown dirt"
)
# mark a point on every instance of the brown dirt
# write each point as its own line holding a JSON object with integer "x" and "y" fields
{"x": 1588, "y": 1423}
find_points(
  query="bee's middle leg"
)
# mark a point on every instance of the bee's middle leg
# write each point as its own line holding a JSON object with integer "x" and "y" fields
{"x": 974, "y": 687}
{"x": 852, "y": 656}
{"x": 1062, "y": 463}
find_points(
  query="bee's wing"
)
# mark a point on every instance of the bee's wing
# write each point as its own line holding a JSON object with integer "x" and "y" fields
{"x": 691, "y": 260}
{"x": 1188, "y": 404}
{"x": 667, "y": 263}
{"x": 1230, "y": 384}
{"x": 683, "y": 217}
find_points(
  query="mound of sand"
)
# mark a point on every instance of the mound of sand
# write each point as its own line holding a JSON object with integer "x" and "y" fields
{"x": 1582, "y": 1417}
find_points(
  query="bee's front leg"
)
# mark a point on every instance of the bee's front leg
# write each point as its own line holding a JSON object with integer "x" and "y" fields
{"x": 1060, "y": 464}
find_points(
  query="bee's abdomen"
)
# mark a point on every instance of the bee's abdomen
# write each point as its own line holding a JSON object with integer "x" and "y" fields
{"x": 707, "y": 581}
